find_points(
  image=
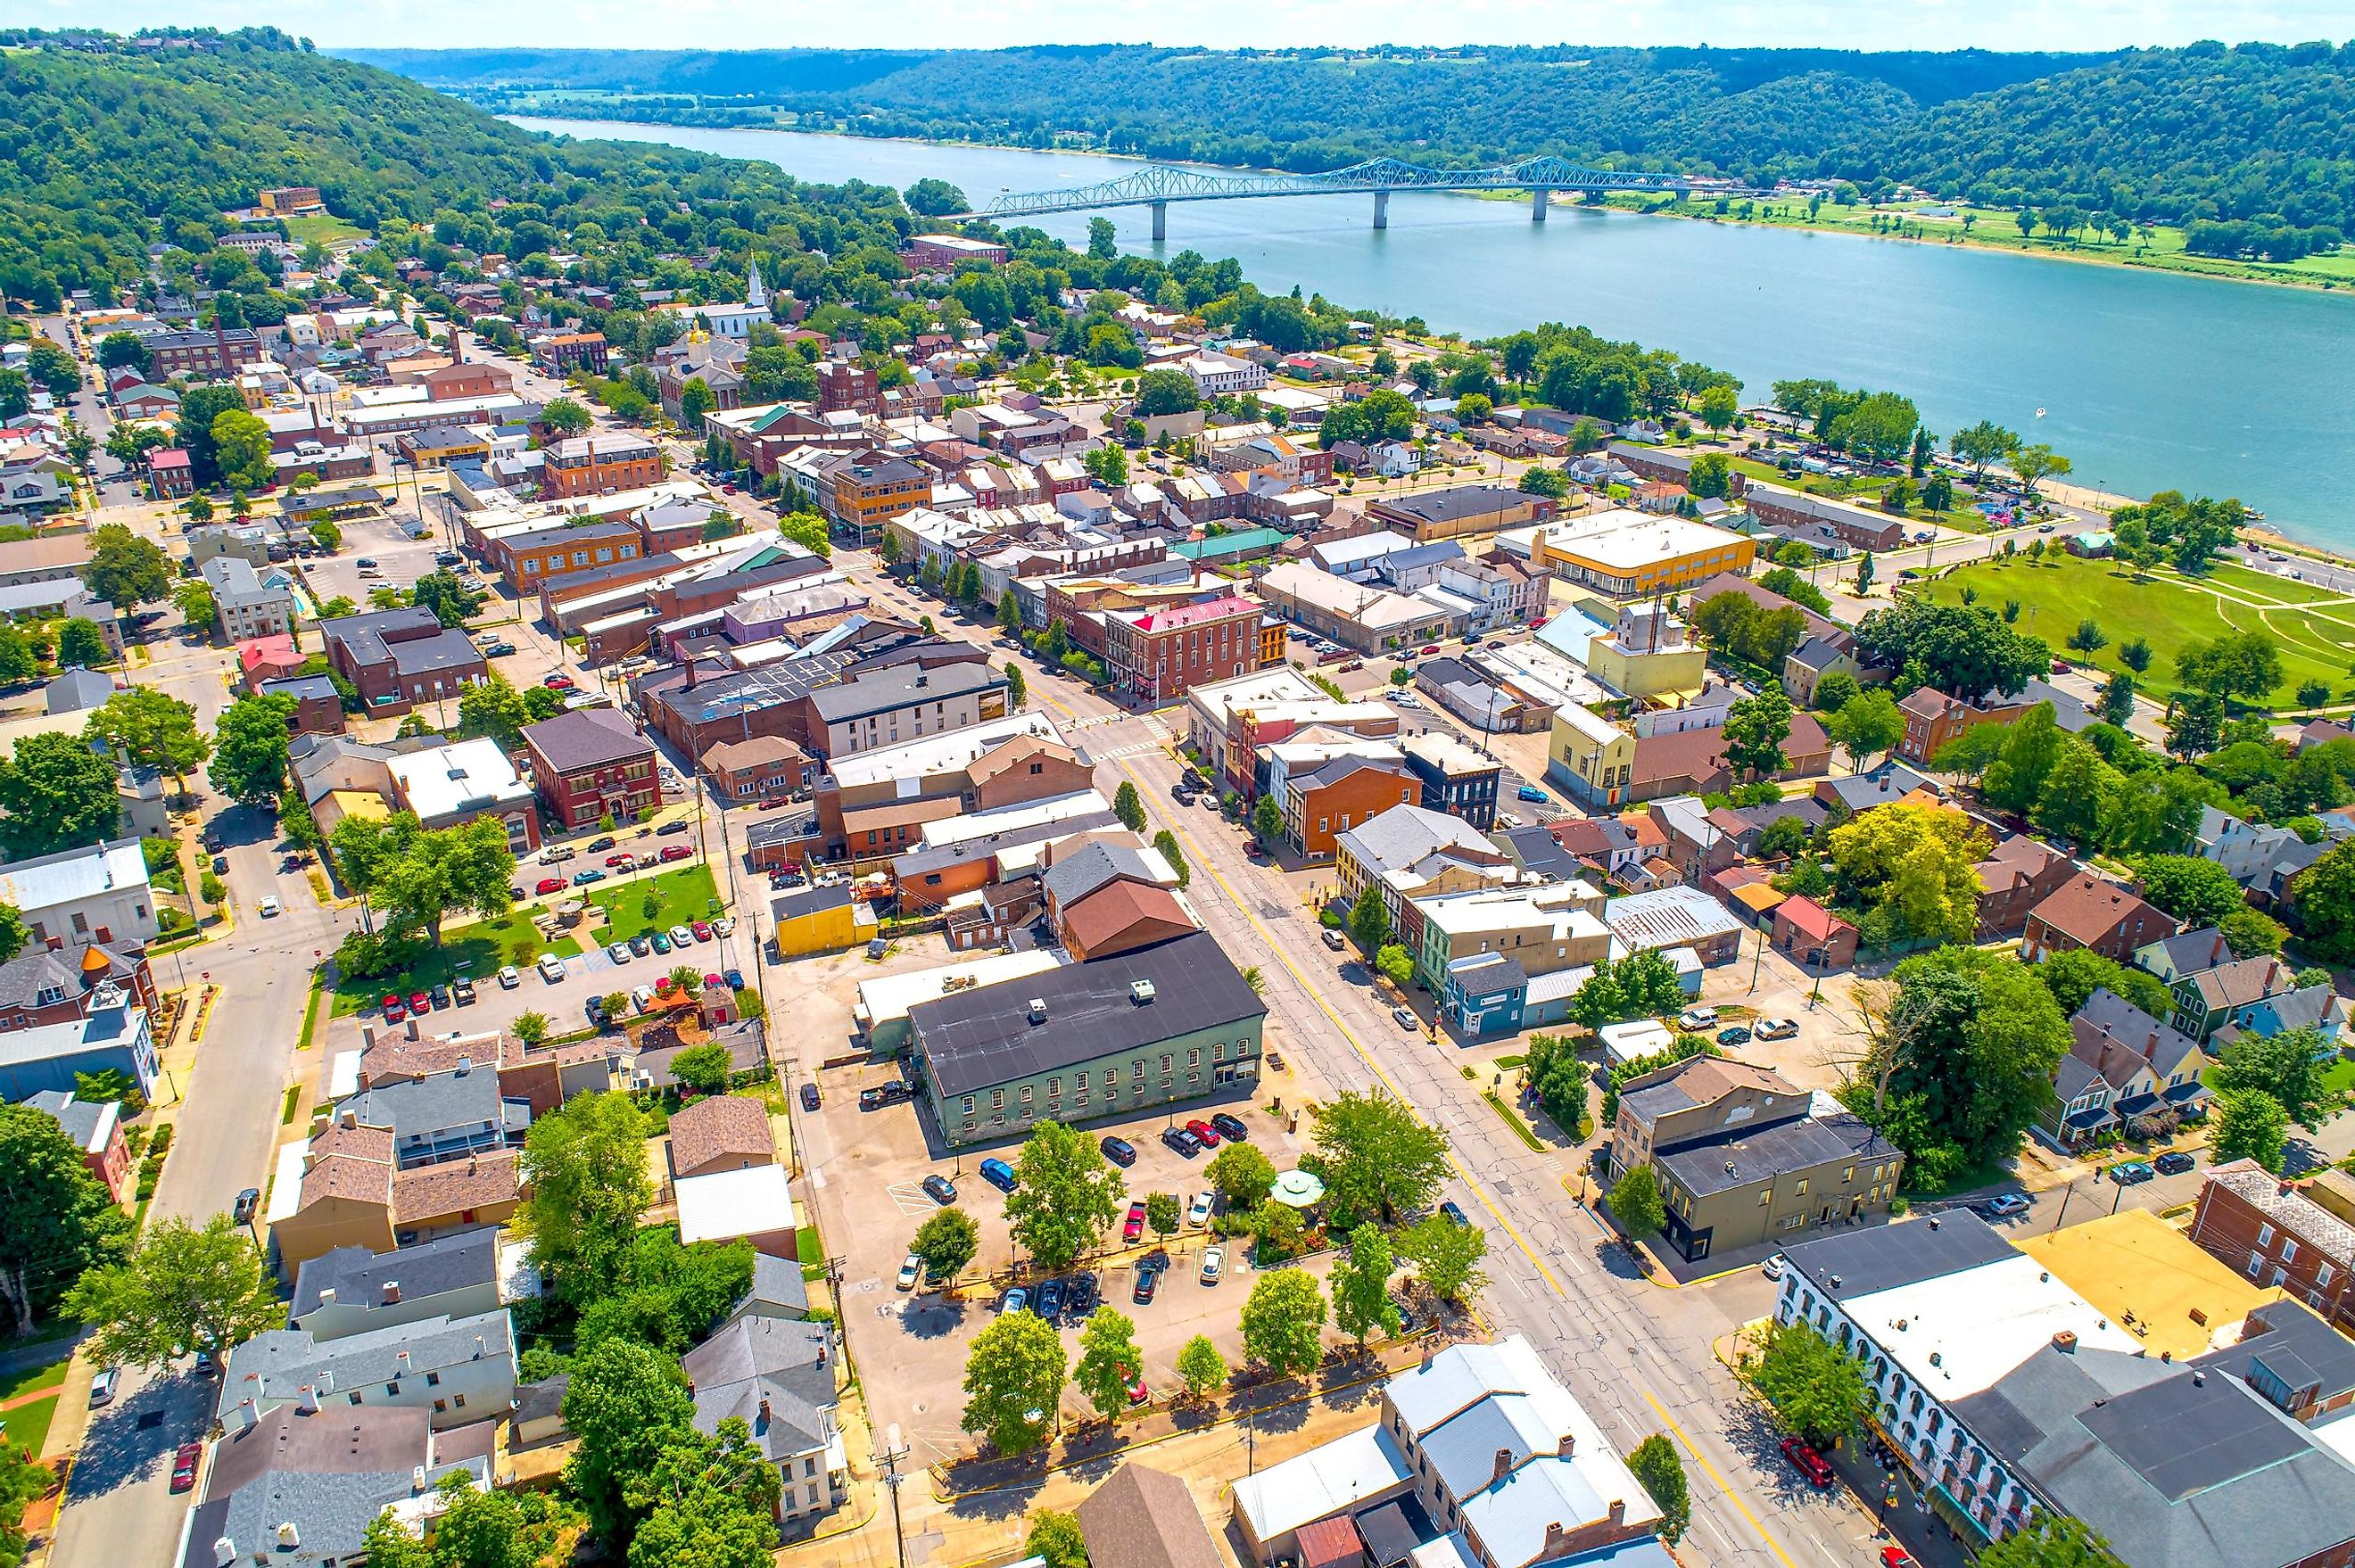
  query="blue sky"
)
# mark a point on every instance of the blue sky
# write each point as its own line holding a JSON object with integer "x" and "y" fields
{"x": 736, "y": 23}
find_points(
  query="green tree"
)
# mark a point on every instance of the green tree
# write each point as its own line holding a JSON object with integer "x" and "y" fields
{"x": 694, "y": 400}
{"x": 1109, "y": 1360}
{"x": 120, "y": 348}
{"x": 1009, "y": 614}
{"x": 80, "y": 643}
{"x": 2290, "y": 1068}
{"x": 17, "y": 664}
{"x": 492, "y": 708}
{"x": 1361, "y": 1283}
{"x": 1165, "y": 843}
{"x": 1066, "y": 1195}
{"x": 1161, "y": 392}
{"x": 184, "y": 1289}
{"x": 1718, "y": 406}
{"x": 59, "y": 1222}
{"x": 1278, "y": 1227}
{"x": 421, "y": 877}
{"x": 584, "y": 1173}
{"x": 2034, "y": 463}
{"x": 2248, "y": 931}
{"x": 703, "y": 1069}
{"x": 1636, "y": 1202}
{"x": 1446, "y": 1256}
{"x": 1240, "y": 1174}
{"x": 149, "y": 728}
{"x": 1561, "y": 1081}
{"x": 1866, "y": 723}
{"x": 2031, "y": 747}
{"x": 1982, "y": 446}
{"x": 1391, "y": 963}
{"x": 529, "y": 1027}
{"x": 249, "y": 748}
{"x": 1284, "y": 1323}
{"x": 1129, "y": 806}
{"x": 55, "y": 794}
{"x": 194, "y": 600}
{"x": 2073, "y": 976}
{"x": 241, "y": 450}
{"x": 565, "y": 417}
{"x": 193, "y": 433}
{"x": 946, "y": 1241}
{"x": 1018, "y": 687}
{"x": 2245, "y": 664}
{"x": 1710, "y": 476}
{"x": 1755, "y": 728}
{"x": 2196, "y": 725}
{"x": 1014, "y": 1378}
{"x": 627, "y": 1404}
{"x": 1201, "y": 1367}
{"x": 2249, "y": 1124}
{"x": 1055, "y": 1540}
{"x": 1551, "y": 482}
{"x": 2194, "y": 890}
{"x": 14, "y": 934}
{"x": 2050, "y": 1541}
{"x": 1162, "y": 1213}
{"x": 1370, "y": 922}
{"x": 1267, "y": 821}
{"x": 1815, "y": 1389}
{"x": 2117, "y": 701}
{"x": 1377, "y": 1159}
{"x": 1657, "y": 1464}
{"x": 125, "y": 570}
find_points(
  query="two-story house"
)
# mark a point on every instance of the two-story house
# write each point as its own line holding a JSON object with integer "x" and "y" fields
{"x": 1589, "y": 756}
{"x": 592, "y": 763}
{"x": 780, "y": 1376}
{"x": 2091, "y": 911}
{"x": 2233, "y": 992}
{"x": 2123, "y": 1065}
{"x": 458, "y": 1369}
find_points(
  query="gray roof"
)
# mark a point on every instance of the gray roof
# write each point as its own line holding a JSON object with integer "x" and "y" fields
{"x": 777, "y": 1288}
{"x": 1449, "y": 505}
{"x": 1886, "y": 1256}
{"x": 1817, "y": 654}
{"x": 586, "y": 738}
{"x": 975, "y": 1039}
{"x": 234, "y": 581}
{"x": 80, "y": 1118}
{"x": 2175, "y": 1469}
{"x": 1068, "y": 880}
{"x": 1756, "y": 1154}
{"x": 433, "y": 1103}
{"x": 273, "y": 1366}
{"x": 1889, "y": 782}
{"x": 1405, "y": 834}
{"x": 329, "y": 1473}
{"x": 800, "y": 902}
{"x": 900, "y": 687}
{"x": 358, "y": 1275}
{"x": 1540, "y": 854}
{"x": 783, "y": 1362}
{"x": 300, "y": 686}
{"x": 76, "y": 689}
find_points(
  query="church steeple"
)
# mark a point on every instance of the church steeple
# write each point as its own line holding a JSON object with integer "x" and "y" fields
{"x": 755, "y": 295}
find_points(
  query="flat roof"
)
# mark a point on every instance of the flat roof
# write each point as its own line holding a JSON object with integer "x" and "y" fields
{"x": 1639, "y": 545}
{"x": 727, "y": 1204}
{"x": 1963, "y": 1331}
{"x": 889, "y": 997}
{"x": 910, "y": 762}
{"x": 1359, "y": 1467}
{"x": 2150, "y": 1276}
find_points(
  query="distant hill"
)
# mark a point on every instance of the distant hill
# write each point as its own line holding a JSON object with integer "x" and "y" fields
{"x": 2160, "y": 135}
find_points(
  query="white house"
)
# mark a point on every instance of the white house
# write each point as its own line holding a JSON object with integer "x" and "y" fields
{"x": 1218, "y": 374}
{"x": 98, "y": 891}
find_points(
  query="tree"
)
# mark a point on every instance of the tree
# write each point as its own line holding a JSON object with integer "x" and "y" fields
{"x": 421, "y": 877}
{"x": 2288, "y": 1068}
{"x": 1962, "y": 649}
{"x": 249, "y": 756}
{"x": 1014, "y": 1382}
{"x": 1911, "y": 868}
{"x": 1278, "y": 1227}
{"x": 184, "y": 1289}
{"x": 56, "y": 794}
{"x": 2052, "y": 1541}
{"x": 565, "y": 417}
{"x": 1370, "y": 922}
{"x": 1361, "y": 1283}
{"x": 1242, "y": 1175}
{"x": 1391, "y": 963}
{"x": 59, "y": 1220}
{"x": 1066, "y": 1195}
{"x": 694, "y": 400}
{"x": 2074, "y": 976}
{"x": 1376, "y": 1158}
{"x": 1982, "y": 446}
{"x": 1816, "y": 1390}
{"x": 1201, "y": 1367}
{"x": 2196, "y": 725}
{"x": 1162, "y": 1213}
{"x": 1161, "y": 392}
{"x": 492, "y": 708}
{"x": 2249, "y": 1123}
{"x": 81, "y": 643}
{"x": 120, "y": 348}
{"x": 1165, "y": 843}
{"x": 529, "y": 1027}
{"x": 1129, "y": 806}
{"x": 2246, "y": 665}
{"x": 946, "y": 1242}
{"x": 1718, "y": 404}
{"x": 194, "y": 600}
{"x": 1267, "y": 821}
{"x": 1657, "y": 1464}
{"x": 125, "y": 570}
{"x": 1540, "y": 481}
{"x": 14, "y": 935}
{"x": 145, "y": 728}
{"x": 452, "y": 603}
{"x": 2036, "y": 462}
{"x": 2192, "y": 889}
{"x": 1879, "y": 428}
{"x": 584, "y": 1172}
{"x": 703, "y": 1069}
{"x": 193, "y": 429}
{"x": 1056, "y": 1540}
{"x": 1755, "y": 728}
{"x": 1445, "y": 1255}
{"x": 2118, "y": 701}
{"x": 1636, "y": 1202}
{"x": 241, "y": 451}
{"x": 1109, "y": 1361}
{"x": 2249, "y": 931}
{"x": 2032, "y": 749}
{"x": 1710, "y": 476}
{"x": 1866, "y": 723}
{"x": 1284, "y": 1323}
{"x": 626, "y": 1404}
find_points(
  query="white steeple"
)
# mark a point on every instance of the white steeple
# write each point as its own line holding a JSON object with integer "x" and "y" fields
{"x": 755, "y": 295}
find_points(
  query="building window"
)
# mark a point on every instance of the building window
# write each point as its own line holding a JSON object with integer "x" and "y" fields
{"x": 2264, "y": 1235}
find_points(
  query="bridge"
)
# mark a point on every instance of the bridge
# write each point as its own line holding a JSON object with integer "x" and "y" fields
{"x": 1160, "y": 185}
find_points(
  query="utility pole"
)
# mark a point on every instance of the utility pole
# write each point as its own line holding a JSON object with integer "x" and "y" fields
{"x": 890, "y": 1457}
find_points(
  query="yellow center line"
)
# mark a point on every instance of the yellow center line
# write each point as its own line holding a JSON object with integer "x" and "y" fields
{"x": 1711, "y": 1471}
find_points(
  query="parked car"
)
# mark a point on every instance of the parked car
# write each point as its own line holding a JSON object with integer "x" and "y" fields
{"x": 270, "y": 907}
{"x": 643, "y": 997}
{"x": 676, "y": 852}
{"x": 1772, "y": 1267}
{"x": 549, "y": 885}
{"x": 1736, "y": 1035}
{"x": 1199, "y": 1212}
{"x": 241, "y": 1211}
{"x": 1214, "y": 1263}
{"x": 724, "y": 926}
{"x": 1085, "y": 1298}
{"x": 508, "y": 978}
{"x": 1777, "y": 1028}
{"x": 499, "y": 650}
{"x": 1809, "y": 1463}
{"x": 667, "y": 828}
{"x": 2131, "y": 1173}
{"x": 680, "y": 937}
{"x": 1119, "y": 1151}
{"x": 594, "y": 1009}
{"x": 2174, "y": 1162}
{"x": 582, "y": 879}
{"x": 1050, "y": 1300}
{"x": 420, "y": 1003}
{"x": 621, "y": 861}
{"x": 660, "y": 940}
{"x": 1532, "y": 793}
{"x": 1204, "y": 1131}
{"x": 598, "y": 845}
{"x": 102, "y": 1387}
{"x": 1692, "y": 1020}
{"x": 1183, "y": 1141}
{"x": 999, "y": 1174}
{"x": 1148, "y": 1280}
{"x": 640, "y": 945}
{"x": 550, "y": 967}
{"x": 464, "y": 988}
{"x": 557, "y": 682}
{"x": 2003, "y": 1206}
{"x": 1015, "y": 1300}
{"x": 1897, "y": 1557}
{"x": 810, "y": 1100}
{"x": 1230, "y": 1128}
{"x": 1405, "y": 1018}
{"x": 940, "y": 1189}
{"x": 702, "y": 931}
{"x": 1335, "y": 940}
{"x": 184, "y": 1466}
{"x": 1132, "y": 1230}
{"x": 1454, "y": 1210}
{"x": 440, "y": 995}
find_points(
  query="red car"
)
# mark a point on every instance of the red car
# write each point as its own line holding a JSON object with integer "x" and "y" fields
{"x": 1135, "y": 1387}
{"x": 1204, "y": 1131}
{"x": 702, "y": 932}
{"x": 549, "y": 885}
{"x": 421, "y": 1004}
{"x": 774, "y": 802}
{"x": 395, "y": 1009}
{"x": 677, "y": 852}
{"x": 1430, "y": 649}
{"x": 1897, "y": 1557}
{"x": 1133, "y": 1229}
{"x": 184, "y": 1466}
{"x": 558, "y": 683}
{"x": 1807, "y": 1462}
{"x": 625, "y": 859}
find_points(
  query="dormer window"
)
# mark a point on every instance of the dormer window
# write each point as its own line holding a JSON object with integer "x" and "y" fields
{"x": 50, "y": 997}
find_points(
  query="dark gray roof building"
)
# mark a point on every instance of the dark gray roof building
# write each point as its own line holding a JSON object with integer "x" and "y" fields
{"x": 1860, "y": 1263}
{"x": 1737, "y": 1159}
{"x": 774, "y": 1374}
{"x": 468, "y": 1260}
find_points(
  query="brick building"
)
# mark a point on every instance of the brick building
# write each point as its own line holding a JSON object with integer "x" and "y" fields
{"x": 2088, "y": 912}
{"x": 561, "y": 353}
{"x": 600, "y": 465}
{"x": 873, "y": 488}
{"x": 398, "y": 659}
{"x": 2298, "y": 1237}
{"x": 592, "y": 762}
{"x": 1157, "y": 654}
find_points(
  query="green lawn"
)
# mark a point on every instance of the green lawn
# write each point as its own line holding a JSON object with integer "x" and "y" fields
{"x": 480, "y": 947}
{"x": 2166, "y": 611}
{"x": 685, "y": 895}
{"x": 323, "y": 227}
{"x": 32, "y": 1380}
{"x": 27, "y": 1425}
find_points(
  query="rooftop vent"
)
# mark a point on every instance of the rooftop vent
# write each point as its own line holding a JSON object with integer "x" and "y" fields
{"x": 1037, "y": 1009}
{"x": 224, "y": 1551}
{"x": 1140, "y": 991}
{"x": 288, "y": 1536}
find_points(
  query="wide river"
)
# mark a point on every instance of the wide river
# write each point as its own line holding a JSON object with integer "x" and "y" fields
{"x": 2149, "y": 381}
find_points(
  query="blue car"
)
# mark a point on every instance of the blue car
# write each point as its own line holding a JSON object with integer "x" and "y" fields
{"x": 1531, "y": 792}
{"x": 735, "y": 978}
{"x": 999, "y": 1174}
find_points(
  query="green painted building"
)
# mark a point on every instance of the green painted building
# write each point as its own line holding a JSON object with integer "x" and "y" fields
{"x": 1115, "y": 1037}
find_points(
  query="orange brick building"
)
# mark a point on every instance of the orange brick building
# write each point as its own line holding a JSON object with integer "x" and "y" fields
{"x": 1347, "y": 791}
{"x": 600, "y": 465}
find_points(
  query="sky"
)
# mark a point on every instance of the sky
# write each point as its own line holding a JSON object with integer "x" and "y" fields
{"x": 1226, "y": 24}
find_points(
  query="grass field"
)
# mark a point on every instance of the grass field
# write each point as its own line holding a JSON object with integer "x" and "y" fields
{"x": 480, "y": 947}
{"x": 2316, "y": 631}
{"x": 685, "y": 896}
{"x": 325, "y": 228}
{"x": 27, "y": 1425}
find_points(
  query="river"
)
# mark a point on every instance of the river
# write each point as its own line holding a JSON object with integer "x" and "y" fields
{"x": 2147, "y": 380}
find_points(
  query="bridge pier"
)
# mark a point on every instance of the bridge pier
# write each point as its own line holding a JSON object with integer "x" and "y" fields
{"x": 1539, "y": 199}
{"x": 1381, "y": 209}
{"x": 1160, "y": 222}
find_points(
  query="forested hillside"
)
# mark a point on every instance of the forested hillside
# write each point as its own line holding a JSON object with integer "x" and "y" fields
{"x": 105, "y": 153}
{"x": 2252, "y": 132}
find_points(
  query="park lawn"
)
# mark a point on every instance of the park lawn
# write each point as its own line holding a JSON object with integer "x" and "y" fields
{"x": 686, "y": 896}
{"x": 482, "y": 947}
{"x": 32, "y": 1380}
{"x": 2252, "y": 584}
{"x": 323, "y": 227}
{"x": 2164, "y": 610}
{"x": 27, "y": 1425}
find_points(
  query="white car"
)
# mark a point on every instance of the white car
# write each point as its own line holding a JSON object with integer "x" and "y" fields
{"x": 724, "y": 926}
{"x": 910, "y": 1271}
{"x": 1199, "y": 1214}
{"x": 1776, "y": 1029}
{"x": 508, "y": 978}
{"x": 644, "y": 997}
{"x": 552, "y": 967}
{"x": 1406, "y": 699}
{"x": 682, "y": 936}
{"x": 1772, "y": 1267}
{"x": 1693, "y": 1018}
{"x": 268, "y": 908}
{"x": 1214, "y": 1263}
{"x": 618, "y": 952}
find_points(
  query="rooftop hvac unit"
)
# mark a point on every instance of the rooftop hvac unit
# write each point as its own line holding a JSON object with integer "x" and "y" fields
{"x": 1140, "y": 991}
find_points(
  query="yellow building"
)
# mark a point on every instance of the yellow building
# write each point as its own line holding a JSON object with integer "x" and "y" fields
{"x": 1647, "y": 654}
{"x": 1590, "y": 756}
{"x": 1629, "y": 554}
{"x": 822, "y": 920}
{"x": 2152, "y": 1280}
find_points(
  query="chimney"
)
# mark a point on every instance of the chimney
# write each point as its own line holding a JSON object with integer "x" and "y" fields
{"x": 1557, "y": 1540}
{"x": 764, "y": 1410}
{"x": 1567, "y": 1448}
{"x": 1618, "y": 1512}
{"x": 243, "y": 1416}
{"x": 402, "y": 1357}
{"x": 416, "y": 1480}
{"x": 326, "y": 1296}
{"x": 1037, "y": 1009}
{"x": 307, "y": 1401}
{"x": 465, "y": 1065}
{"x": 288, "y": 1536}
{"x": 2065, "y": 1341}
{"x": 348, "y": 1120}
{"x": 2215, "y": 950}
{"x": 1504, "y": 1465}
{"x": 392, "y": 1297}
{"x": 411, "y": 1027}
{"x": 224, "y": 1551}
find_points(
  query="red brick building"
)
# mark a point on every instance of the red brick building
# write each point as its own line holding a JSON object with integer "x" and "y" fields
{"x": 2087, "y": 911}
{"x": 1346, "y": 793}
{"x": 1932, "y": 719}
{"x": 850, "y": 388}
{"x": 169, "y": 472}
{"x": 1158, "y": 655}
{"x": 465, "y": 379}
{"x": 561, "y": 353}
{"x": 2020, "y": 873}
{"x": 1804, "y": 928}
{"x": 600, "y": 464}
{"x": 54, "y": 984}
{"x": 2272, "y": 1233}
{"x": 591, "y": 762}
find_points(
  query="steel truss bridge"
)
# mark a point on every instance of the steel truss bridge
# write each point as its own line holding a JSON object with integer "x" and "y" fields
{"x": 1160, "y": 185}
